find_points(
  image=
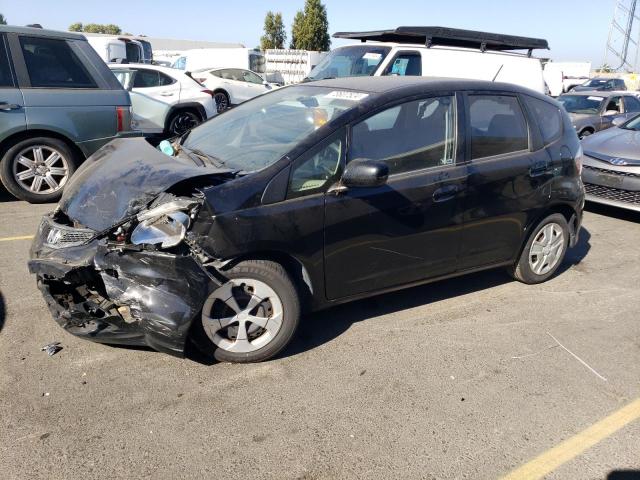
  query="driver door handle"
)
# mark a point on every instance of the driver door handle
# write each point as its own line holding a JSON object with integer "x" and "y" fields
{"x": 445, "y": 193}
{"x": 8, "y": 106}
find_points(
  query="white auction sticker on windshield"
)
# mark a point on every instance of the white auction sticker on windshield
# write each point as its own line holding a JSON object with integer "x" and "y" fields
{"x": 597, "y": 99}
{"x": 347, "y": 95}
{"x": 372, "y": 56}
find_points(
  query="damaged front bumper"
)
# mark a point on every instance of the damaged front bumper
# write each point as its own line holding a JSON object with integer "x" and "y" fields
{"x": 118, "y": 296}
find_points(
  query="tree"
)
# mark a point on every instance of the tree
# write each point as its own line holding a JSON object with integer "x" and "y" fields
{"x": 274, "y": 32}
{"x": 3, "y": 21}
{"x": 110, "y": 29}
{"x": 310, "y": 29}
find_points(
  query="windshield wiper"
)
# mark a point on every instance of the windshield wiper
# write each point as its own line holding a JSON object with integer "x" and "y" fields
{"x": 215, "y": 161}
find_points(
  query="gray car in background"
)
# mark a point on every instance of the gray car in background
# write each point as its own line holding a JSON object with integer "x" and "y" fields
{"x": 611, "y": 166}
{"x": 59, "y": 103}
{"x": 593, "y": 111}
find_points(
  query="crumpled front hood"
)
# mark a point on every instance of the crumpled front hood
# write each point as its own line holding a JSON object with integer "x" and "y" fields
{"x": 614, "y": 143}
{"x": 122, "y": 178}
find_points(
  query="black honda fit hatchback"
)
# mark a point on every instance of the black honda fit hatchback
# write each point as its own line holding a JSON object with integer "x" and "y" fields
{"x": 307, "y": 197}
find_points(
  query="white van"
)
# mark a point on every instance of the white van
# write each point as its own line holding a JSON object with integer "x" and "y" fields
{"x": 203, "y": 58}
{"x": 436, "y": 52}
{"x": 117, "y": 48}
{"x": 561, "y": 77}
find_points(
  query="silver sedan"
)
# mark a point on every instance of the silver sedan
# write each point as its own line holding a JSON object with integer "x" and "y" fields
{"x": 611, "y": 166}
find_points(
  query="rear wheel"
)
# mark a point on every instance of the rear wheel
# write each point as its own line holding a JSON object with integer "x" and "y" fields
{"x": 544, "y": 251}
{"x": 250, "y": 318}
{"x": 222, "y": 100}
{"x": 585, "y": 133}
{"x": 37, "y": 169}
{"x": 182, "y": 121}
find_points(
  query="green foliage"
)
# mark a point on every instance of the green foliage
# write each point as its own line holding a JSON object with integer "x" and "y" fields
{"x": 110, "y": 28}
{"x": 3, "y": 21}
{"x": 274, "y": 31}
{"x": 605, "y": 68}
{"x": 310, "y": 29}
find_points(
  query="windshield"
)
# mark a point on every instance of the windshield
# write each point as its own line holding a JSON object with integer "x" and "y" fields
{"x": 258, "y": 133}
{"x": 354, "y": 61}
{"x": 581, "y": 103}
{"x": 596, "y": 82}
{"x": 633, "y": 124}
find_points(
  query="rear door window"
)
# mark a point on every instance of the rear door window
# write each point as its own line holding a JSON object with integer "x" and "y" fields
{"x": 6, "y": 78}
{"x": 52, "y": 63}
{"x": 405, "y": 64}
{"x": 497, "y": 125}
{"x": 631, "y": 105}
{"x": 548, "y": 117}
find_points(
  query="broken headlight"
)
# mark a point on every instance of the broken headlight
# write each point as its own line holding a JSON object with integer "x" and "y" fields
{"x": 165, "y": 224}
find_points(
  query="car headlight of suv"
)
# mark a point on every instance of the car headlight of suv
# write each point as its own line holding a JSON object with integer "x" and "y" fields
{"x": 165, "y": 224}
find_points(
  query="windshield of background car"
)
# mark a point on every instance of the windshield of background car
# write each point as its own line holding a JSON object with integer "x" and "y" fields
{"x": 354, "y": 61}
{"x": 258, "y": 133}
{"x": 633, "y": 124}
{"x": 581, "y": 103}
{"x": 595, "y": 82}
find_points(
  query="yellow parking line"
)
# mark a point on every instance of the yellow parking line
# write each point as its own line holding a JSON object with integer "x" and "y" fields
{"x": 574, "y": 446}
{"x": 11, "y": 239}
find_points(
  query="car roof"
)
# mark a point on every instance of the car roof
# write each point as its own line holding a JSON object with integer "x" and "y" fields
{"x": 418, "y": 85}
{"x": 161, "y": 68}
{"x": 41, "y": 32}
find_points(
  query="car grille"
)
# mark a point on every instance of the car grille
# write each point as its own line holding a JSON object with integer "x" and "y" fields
{"x": 62, "y": 236}
{"x": 615, "y": 194}
{"x": 611, "y": 172}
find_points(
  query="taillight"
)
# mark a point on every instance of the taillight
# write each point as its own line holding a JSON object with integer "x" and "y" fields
{"x": 208, "y": 92}
{"x": 121, "y": 118}
{"x": 578, "y": 160}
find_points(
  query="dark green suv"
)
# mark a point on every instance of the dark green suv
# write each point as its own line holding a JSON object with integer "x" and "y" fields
{"x": 59, "y": 103}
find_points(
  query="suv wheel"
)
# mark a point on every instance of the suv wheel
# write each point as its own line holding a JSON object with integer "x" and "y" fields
{"x": 250, "y": 318}
{"x": 37, "y": 169}
{"x": 544, "y": 251}
{"x": 222, "y": 100}
{"x": 183, "y": 120}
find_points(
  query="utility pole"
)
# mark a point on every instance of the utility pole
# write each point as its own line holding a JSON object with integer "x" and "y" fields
{"x": 624, "y": 35}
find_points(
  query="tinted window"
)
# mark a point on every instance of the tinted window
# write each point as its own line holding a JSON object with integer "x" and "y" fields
{"x": 146, "y": 79}
{"x": 406, "y": 64}
{"x": 52, "y": 63}
{"x": 251, "y": 77}
{"x": 631, "y": 104}
{"x": 165, "y": 79}
{"x": 6, "y": 79}
{"x": 411, "y": 136}
{"x": 315, "y": 172}
{"x": 497, "y": 125}
{"x": 548, "y": 117}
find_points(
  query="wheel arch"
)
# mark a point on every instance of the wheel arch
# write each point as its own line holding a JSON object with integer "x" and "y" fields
{"x": 222, "y": 90}
{"x": 11, "y": 140}
{"x": 567, "y": 211}
{"x": 191, "y": 106}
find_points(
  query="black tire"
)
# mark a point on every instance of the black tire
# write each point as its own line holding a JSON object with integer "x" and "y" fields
{"x": 10, "y": 168}
{"x": 222, "y": 100}
{"x": 585, "y": 133}
{"x": 181, "y": 121}
{"x": 522, "y": 270}
{"x": 273, "y": 275}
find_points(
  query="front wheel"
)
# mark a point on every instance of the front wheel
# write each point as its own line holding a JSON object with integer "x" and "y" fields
{"x": 544, "y": 251}
{"x": 222, "y": 101}
{"x": 183, "y": 120}
{"x": 250, "y": 318}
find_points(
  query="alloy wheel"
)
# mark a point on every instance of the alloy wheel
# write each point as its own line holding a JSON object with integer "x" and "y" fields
{"x": 546, "y": 249}
{"x": 222, "y": 103}
{"x": 184, "y": 121}
{"x": 243, "y": 315}
{"x": 41, "y": 169}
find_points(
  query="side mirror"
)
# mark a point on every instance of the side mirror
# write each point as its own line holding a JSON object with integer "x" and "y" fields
{"x": 618, "y": 121}
{"x": 363, "y": 172}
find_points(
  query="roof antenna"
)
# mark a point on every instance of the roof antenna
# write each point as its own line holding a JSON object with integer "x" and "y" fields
{"x": 497, "y": 73}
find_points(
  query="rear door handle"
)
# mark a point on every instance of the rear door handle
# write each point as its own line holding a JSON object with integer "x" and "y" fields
{"x": 445, "y": 193}
{"x": 9, "y": 106}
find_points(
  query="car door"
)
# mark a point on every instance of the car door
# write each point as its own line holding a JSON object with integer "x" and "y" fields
{"x": 12, "y": 116}
{"x": 406, "y": 230}
{"x": 507, "y": 179}
{"x": 255, "y": 84}
{"x": 243, "y": 89}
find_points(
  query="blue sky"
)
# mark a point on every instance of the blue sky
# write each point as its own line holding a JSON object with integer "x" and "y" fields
{"x": 576, "y": 30}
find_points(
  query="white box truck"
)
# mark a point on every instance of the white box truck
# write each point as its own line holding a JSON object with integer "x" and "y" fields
{"x": 287, "y": 66}
{"x": 561, "y": 77}
{"x": 202, "y": 58}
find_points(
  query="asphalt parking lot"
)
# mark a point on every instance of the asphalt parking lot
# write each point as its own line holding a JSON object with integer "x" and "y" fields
{"x": 459, "y": 379}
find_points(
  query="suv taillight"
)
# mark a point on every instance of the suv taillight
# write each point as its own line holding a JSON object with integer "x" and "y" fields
{"x": 208, "y": 92}
{"x": 578, "y": 159}
{"x": 123, "y": 118}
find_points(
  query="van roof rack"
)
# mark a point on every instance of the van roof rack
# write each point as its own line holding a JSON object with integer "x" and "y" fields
{"x": 452, "y": 37}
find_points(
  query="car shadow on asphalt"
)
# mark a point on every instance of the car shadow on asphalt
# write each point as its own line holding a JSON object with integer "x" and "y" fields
{"x": 614, "y": 212}
{"x": 3, "y": 311}
{"x": 624, "y": 475}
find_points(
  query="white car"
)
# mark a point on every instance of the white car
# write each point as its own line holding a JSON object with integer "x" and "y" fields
{"x": 231, "y": 86}
{"x": 164, "y": 100}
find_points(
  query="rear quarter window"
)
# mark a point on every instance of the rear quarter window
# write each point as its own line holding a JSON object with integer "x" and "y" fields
{"x": 548, "y": 117}
{"x": 51, "y": 63}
